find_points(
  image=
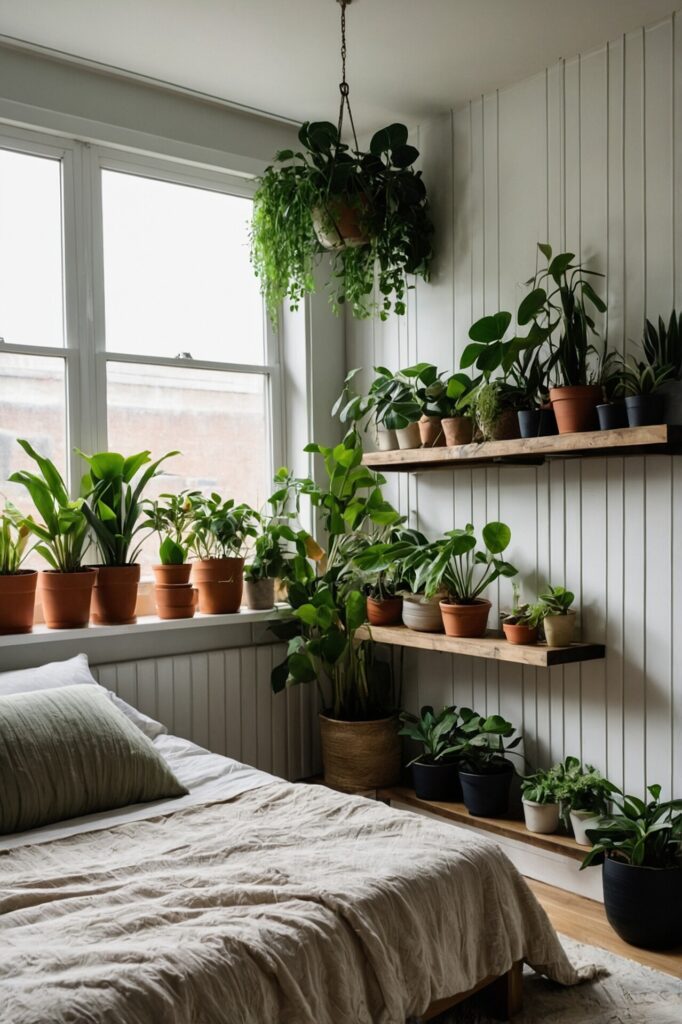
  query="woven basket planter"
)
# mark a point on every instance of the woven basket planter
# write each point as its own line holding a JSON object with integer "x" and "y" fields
{"x": 360, "y": 755}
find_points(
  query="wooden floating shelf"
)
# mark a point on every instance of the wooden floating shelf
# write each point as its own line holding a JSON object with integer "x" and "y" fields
{"x": 492, "y": 646}
{"x": 507, "y": 827}
{"x": 529, "y": 451}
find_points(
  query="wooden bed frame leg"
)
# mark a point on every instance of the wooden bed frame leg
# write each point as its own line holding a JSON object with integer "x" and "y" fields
{"x": 507, "y": 993}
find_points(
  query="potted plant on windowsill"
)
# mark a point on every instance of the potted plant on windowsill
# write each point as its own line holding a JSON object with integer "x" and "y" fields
{"x": 485, "y": 772}
{"x": 640, "y": 846}
{"x": 220, "y": 529}
{"x": 66, "y": 588}
{"x": 17, "y": 585}
{"x": 644, "y": 400}
{"x": 171, "y": 518}
{"x": 521, "y": 624}
{"x": 435, "y": 772}
{"x": 541, "y": 807}
{"x": 558, "y": 618}
{"x": 663, "y": 347}
{"x": 465, "y": 574}
{"x": 276, "y": 544}
{"x": 584, "y": 794}
{"x": 460, "y": 409}
{"x": 367, "y": 209}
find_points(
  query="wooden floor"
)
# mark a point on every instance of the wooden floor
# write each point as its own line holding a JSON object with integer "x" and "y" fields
{"x": 585, "y": 920}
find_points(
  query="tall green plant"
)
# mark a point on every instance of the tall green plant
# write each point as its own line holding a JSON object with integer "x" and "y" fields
{"x": 464, "y": 572}
{"x": 645, "y": 834}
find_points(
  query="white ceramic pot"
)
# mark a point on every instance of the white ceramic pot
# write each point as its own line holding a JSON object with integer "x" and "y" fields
{"x": 260, "y": 594}
{"x": 386, "y": 441}
{"x": 541, "y": 818}
{"x": 559, "y": 629}
{"x": 580, "y": 822}
{"x": 672, "y": 395}
{"x": 409, "y": 436}
{"x": 422, "y": 614}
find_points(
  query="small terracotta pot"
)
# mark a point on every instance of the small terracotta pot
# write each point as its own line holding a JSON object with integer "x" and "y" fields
{"x": 421, "y": 614}
{"x": 338, "y": 226}
{"x": 386, "y": 441}
{"x": 458, "y": 430}
{"x": 575, "y": 408}
{"x": 66, "y": 597}
{"x": 384, "y": 612}
{"x": 166, "y": 574}
{"x": 220, "y": 583}
{"x": 360, "y": 755}
{"x": 506, "y": 426}
{"x": 559, "y": 629}
{"x": 17, "y": 601}
{"x": 519, "y": 634}
{"x": 431, "y": 432}
{"x": 115, "y": 595}
{"x": 409, "y": 436}
{"x": 465, "y": 620}
{"x": 175, "y": 600}
{"x": 260, "y": 594}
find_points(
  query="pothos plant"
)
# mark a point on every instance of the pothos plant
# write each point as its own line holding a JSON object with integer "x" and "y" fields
{"x": 313, "y": 185}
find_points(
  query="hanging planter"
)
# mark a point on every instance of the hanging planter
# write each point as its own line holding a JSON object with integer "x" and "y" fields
{"x": 367, "y": 209}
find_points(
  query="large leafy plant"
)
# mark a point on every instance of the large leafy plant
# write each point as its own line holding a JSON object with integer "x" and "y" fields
{"x": 221, "y": 528}
{"x": 63, "y": 531}
{"x": 113, "y": 490}
{"x": 645, "y": 834}
{"x": 388, "y": 196}
{"x": 463, "y": 571}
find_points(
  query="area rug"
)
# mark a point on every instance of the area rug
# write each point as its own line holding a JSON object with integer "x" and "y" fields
{"x": 628, "y": 994}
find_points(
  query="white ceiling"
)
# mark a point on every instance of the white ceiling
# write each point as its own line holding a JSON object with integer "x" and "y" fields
{"x": 407, "y": 58}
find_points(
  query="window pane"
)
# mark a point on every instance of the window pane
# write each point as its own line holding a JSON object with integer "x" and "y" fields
{"x": 31, "y": 292}
{"x": 217, "y": 420}
{"x": 177, "y": 274}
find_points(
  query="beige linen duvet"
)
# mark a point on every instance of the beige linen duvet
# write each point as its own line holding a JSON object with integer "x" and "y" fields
{"x": 288, "y": 905}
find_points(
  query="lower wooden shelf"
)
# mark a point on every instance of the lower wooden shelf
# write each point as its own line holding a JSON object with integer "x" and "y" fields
{"x": 492, "y": 646}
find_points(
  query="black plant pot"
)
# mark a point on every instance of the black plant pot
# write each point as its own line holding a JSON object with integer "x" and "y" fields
{"x": 612, "y": 415}
{"x": 487, "y": 796}
{"x": 537, "y": 422}
{"x": 644, "y": 905}
{"x": 436, "y": 782}
{"x": 645, "y": 410}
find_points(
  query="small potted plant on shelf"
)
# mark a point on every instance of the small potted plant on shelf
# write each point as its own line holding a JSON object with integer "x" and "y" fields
{"x": 401, "y": 562}
{"x": 496, "y": 404}
{"x": 170, "y": 516}
{"x": 397, "y": 410}
{"x": 535, "y": 414}
{"x": 435, "y": 770}
{"x": 584, "y": 794}
{"x": 662, "y": 347}
{"x": 431, "y": 394}
{"x": 220, "y": 529}
{"x": 611, "y": 412}
{"x": 558, "y": 618}
{"x": 460, "y": 409}
{"x": 17, "y": 585}
{"x": 522, "y": 623}
{"x": 113, "y": 490}
{"x": 644, "y": 401}
{"x": 275, "y": 544}
{"x": 465, "y": 574}
{"x": 66, "y": 587}
{"x": 485, "y": 771}
{"x": 540, "y": 802}
{"x": 640, "y": 846}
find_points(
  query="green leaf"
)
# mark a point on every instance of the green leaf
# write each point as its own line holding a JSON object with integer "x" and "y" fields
{"x": 471, "y": 354}
{"x": 546, "y": 250}
{"x": 105, "y": 465}
{"x": 301, "y": 669}
{"x": 171, "y": 553}
{"x": 393, "y": 136}
{"x": 531, "y": 305}
{"x": 560, "y": 265}
{"x": 356, "y": 611}
{"x": 404, "y": 156}
{"x": 496, "y": 537}
{"x": 490, "y": 328}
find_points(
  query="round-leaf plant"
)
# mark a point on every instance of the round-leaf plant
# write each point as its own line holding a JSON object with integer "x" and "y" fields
{"x": 464, "y": 572}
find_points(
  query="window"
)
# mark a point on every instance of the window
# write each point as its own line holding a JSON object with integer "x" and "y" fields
{"x": 131, "y": 319}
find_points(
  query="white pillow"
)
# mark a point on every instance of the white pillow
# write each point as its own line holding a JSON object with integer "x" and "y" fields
{"x": 72, "y": 672}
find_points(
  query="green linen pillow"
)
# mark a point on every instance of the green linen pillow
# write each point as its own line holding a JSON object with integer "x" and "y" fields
{"x": 68, "y": 751}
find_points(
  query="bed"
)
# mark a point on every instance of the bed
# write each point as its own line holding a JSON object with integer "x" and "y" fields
{"x": 256, "y": 901}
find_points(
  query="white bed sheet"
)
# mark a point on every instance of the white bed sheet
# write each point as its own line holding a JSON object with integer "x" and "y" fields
{"x": 208, "y": 777}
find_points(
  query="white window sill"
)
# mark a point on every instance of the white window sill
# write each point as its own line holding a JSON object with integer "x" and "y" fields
{"x": 145, "y": 625}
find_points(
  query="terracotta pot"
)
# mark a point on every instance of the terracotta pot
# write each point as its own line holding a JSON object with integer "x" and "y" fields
{"x": 505, "y": 427}
{"x": 559, "y": 629}
{"x": 575, "y": 408}
{"x": 66, "y": 597}
{"x": 465, "y": 620}
{"x": 519, "y": 634}
{"x": 115, "y": 595}
{"x": 431, "y": 432}
{"x": 165, "y": 574}
{"x": 422, "y": 614}
{"x": 175, "y": 600}
{"x": 360, "y": 755}
{"x": 220, "y": 584}
{"x": 384, "y": 612}
{"x": 386, "y": 441}
{"x": 337, "y": 225}
{"x": 260, "y": 594}
{"x": 458, "y": 430}
{"x": 17, "y": 601}
{"x": 409, "y": 436}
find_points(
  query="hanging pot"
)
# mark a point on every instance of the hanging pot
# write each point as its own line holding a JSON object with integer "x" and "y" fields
{"x": 643, "y": 904}
{"x": 486, "y": 795}
{"x": 541, "y": 818}
{"x": 260, "y": 594}
{"x": 17, "y": 601}
{"x": 386, "y": 611}
{"x": 465, "y": 620}
{"x": 66, "y": 597}
{"x": 575, "y": 407}
{"x": 115, "y": 595}
{"x": 337, "y": 224}
{"x": 458, "y": 430}
{"x": 612, "y": 416}
{"x": 431, "y": 432}
{"x": 409, "y": 436}
{"x": 645, "y": 410}
{"x": 422, "y": 614}
{"x": 438, "y": 781}
{"x": 360, "y": 755}
{"x": 175, "y": 600}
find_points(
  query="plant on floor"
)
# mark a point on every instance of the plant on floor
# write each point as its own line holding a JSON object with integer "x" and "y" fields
{"x": 645, "y": 834}
{"x": 434, "y": 732}
{"x": 171, "y": 517}
{"x": 14, "y": 536}
{"x": 221, "y": 527}
{"x": 480, "y": 742}
{"x": 464, "y": 572}
{"x": 368, "y": 209}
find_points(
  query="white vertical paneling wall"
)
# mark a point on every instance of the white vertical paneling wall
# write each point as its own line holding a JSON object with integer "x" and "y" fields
{"x": 588, "y": 156}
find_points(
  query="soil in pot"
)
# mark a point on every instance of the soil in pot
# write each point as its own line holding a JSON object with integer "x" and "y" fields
{"x": 338, "y": 225}
{"x": 612, "y": 416}
{"x": 423, "y": 615}
{"x": 575, "y": 408}
{"x": 559, "y": 629}
{"x": 537, "y": 422}
{"x": 115, "y": 595}
{"x": 520, "y": 634}
{"x": 220, "y": 584}
{"x": 645, "y": 410}
{"x": 360, "y": 755}
{"x": 465, "y": 620}
{"x": 487, "y": 795}
{"x": 458, "y": 430}
{"x": 386, "y": 441}
{"x": 167, "y": 574}
{"x": 386, "y": 611}
{"x": 66, "y": 597}
{"x": 643, "y": 904}
{"x": 175, "y": 600}
{"x": 409, "y": 436}
{"x": 436, "y": 782}
{"x": 431, "y": 432}
{"x": 260, "y": 594}
{"x": 17, "y": 601}
{"x": 541, "y": 818}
